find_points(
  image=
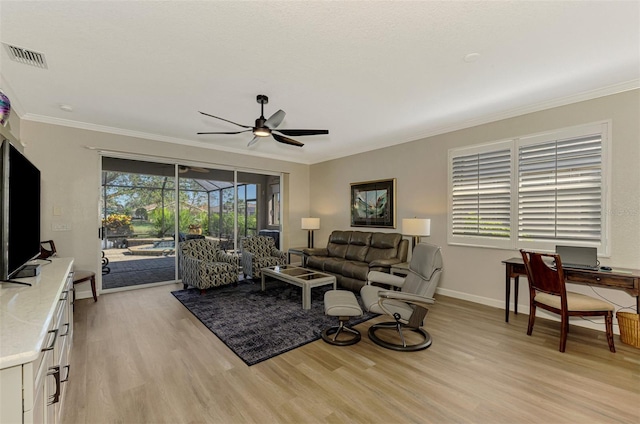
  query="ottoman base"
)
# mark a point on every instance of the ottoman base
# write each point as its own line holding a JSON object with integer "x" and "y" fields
{"x": 344, "y": 305}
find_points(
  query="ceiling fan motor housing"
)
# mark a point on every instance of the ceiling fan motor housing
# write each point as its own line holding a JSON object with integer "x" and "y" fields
{"x": 261, "y": 130}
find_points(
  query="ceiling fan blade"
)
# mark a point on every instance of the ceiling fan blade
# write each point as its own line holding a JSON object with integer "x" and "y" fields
{"x": 226, "y": 120}
{"x": 253, "y": 141}
{"x": 275, "y": 119}
{"x": 184, "y": 169}
{"x": 233, "y": 132}
{"x": 302, "y": 132}
{"x": 287, "y": 140}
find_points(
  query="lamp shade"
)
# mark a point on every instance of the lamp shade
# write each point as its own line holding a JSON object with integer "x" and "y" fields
{"x": 310, "y": 223}
{"x": 416, "y": 227}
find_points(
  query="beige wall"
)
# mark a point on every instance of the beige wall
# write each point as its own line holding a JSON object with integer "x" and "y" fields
{"x": 421, "y": 170}
{"x": 71, "y": 183}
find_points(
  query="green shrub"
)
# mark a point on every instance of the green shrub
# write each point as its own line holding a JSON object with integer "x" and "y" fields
{"x": 118, "y": 224}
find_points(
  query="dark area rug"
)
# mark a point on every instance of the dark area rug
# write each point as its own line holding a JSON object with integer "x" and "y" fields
{"x": 258, "y": 325}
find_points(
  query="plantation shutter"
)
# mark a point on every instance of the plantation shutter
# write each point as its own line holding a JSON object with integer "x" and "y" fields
{"x": 480, "y": 196}
{"x": 560, "y": 190}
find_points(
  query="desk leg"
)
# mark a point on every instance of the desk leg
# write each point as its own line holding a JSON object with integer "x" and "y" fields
{"x": 516, "y": 280}
{"x": 263, "y": 287}
{"x": 507, "y": 287}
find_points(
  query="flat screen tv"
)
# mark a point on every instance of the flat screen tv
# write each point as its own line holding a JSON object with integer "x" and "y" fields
{"x": 20, "y": 206}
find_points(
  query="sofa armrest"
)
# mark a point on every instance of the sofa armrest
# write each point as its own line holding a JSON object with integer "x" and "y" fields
{"x": 384, "y": 263}
{"x": 315, "y": 251}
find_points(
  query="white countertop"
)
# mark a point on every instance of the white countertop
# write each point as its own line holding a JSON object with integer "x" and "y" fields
{"x": 26, "y": 312}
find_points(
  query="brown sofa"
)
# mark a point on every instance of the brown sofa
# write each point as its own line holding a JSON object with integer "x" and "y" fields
{"x": 350, "y": 255}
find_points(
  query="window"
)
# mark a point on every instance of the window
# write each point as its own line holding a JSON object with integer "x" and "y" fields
{"x": 532, "y": 192}
{"x": 481, "y": 193}
{"x": 274, "y": 205}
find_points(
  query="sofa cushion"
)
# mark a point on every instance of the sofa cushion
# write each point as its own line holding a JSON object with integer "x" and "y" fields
{"x": 338, "y": 243}
{"x": 356, "y": 270}
{"x": 383, "y": 246}
{"x": 358, "y": 246}
{"x": 334, "y": 265}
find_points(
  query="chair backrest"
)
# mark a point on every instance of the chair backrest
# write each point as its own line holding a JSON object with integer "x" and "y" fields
{"x": 202, "y": 249}
{"x": 425, "y": 269}
{"x": 47, "y": 249}
{"x": 542, "y": 275}
{"x": 258, "y": 245}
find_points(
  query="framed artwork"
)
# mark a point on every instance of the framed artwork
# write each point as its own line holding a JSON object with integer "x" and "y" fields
{"x": 373, "y": 204}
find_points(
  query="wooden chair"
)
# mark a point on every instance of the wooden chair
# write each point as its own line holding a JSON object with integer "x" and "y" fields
{"x": 547, "y": 290}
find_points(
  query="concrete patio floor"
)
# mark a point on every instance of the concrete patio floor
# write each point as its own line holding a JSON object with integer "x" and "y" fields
{"x": 132, "y": 270}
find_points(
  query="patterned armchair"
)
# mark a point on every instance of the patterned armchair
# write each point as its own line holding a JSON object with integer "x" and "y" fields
{"x": 259, "y": 252}
{"x": 204, "y": 265}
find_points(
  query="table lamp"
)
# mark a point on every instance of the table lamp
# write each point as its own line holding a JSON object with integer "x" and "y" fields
{"x": 416, "y": 228}
{"x": 310, "y": 224}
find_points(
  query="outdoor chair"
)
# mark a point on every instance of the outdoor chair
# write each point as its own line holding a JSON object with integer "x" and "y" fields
{"x": 204, "y": 265}
{"x": 259, "y": 252}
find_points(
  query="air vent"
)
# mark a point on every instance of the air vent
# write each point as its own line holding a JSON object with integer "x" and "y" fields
{"x": 28, "y": 57}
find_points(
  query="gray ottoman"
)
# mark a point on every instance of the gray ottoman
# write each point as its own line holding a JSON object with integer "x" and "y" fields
{"x": 344, "y": 305}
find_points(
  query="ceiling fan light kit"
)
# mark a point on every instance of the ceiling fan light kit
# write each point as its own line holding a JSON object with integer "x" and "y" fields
{"x": 266, "y": 127}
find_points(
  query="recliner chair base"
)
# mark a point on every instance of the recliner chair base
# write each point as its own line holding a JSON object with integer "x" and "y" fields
{"x": 425, "y": 343}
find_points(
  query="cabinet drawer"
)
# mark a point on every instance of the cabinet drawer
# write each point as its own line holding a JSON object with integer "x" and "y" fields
{"x": 600, "y": 279}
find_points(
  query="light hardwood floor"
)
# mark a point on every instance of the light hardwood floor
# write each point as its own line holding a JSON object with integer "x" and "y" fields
{"x": 141, "y": 357}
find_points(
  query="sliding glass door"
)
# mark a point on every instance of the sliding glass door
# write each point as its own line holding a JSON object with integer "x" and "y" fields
{"x": 149, "y": 207}
{"x": 138, "y": 223}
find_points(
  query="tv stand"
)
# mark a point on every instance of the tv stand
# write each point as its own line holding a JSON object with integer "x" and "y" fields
{"x": 36, "y": 335}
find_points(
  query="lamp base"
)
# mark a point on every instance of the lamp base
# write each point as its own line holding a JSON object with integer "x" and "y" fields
{"x": 414, "y": 240}
{"x": 310, "y": 239}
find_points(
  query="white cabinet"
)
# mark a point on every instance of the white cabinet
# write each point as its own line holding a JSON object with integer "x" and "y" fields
{"x": 36, "y": 334}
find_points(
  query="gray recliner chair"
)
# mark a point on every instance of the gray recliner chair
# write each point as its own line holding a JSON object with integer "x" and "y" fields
{"x": 409, "y": 305}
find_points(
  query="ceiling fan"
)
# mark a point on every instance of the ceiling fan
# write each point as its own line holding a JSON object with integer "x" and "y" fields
{"x": 267, "y": 127}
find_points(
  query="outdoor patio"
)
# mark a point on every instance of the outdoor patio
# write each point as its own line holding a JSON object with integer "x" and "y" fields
{"x": 131, "y": 270}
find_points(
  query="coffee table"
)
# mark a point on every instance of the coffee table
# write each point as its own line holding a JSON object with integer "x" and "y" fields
{"x": 298, "y": 276}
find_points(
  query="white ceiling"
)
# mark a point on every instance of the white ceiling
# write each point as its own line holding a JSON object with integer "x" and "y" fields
{"x": 373, "y": 73}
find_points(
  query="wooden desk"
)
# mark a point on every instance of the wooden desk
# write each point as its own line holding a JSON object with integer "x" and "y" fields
{"x": 619, "y": 278}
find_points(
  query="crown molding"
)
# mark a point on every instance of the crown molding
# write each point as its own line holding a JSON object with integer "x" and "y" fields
{"x": 147, "y": 136}
{"x": 511, "y": 113}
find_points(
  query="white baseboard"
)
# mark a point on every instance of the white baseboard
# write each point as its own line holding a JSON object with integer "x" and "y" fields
{"x": 594, "y": 323}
